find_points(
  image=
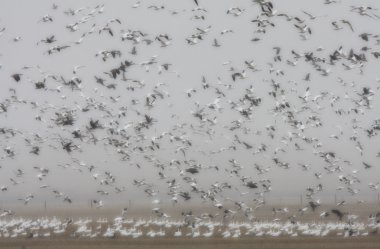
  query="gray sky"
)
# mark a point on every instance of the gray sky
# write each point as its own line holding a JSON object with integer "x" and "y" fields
{"x": 173, "y": 113}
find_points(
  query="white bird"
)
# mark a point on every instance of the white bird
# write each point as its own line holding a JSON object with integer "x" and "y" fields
{"x": 17, "y": 38}
{"x": 76, "y": 68}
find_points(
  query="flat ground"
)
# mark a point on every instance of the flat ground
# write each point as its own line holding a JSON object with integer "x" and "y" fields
{"x": 372, "y": 242}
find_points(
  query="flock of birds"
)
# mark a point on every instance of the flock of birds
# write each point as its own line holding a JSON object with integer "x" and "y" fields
{"x": 216, "y": 142}
{"x": 121, "y": 227}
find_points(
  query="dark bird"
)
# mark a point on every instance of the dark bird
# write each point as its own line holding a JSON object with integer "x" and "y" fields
{"x": 338, "y": 213}
{"x": 367, "y": 166}
{"x": 49, "y": 39}
{"x": 16, "y": 77}
{"x": 251, "y": 184}
{"x": 314, "y": 205}
{"x": 192, "y": 170}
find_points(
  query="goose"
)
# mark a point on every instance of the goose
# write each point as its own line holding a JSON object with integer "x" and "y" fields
{"x": 226, "y": 31}
{"x": 136, "y": 5}
{"x": 204, "y": 31}
{"x": 124, "y": 212}
{"x": 47, "y": 18}
{"x": 366, "y": 165}
{"x": 338, "y": 213}
{"x": 2, "y": 31}
{"x": 49, "y": 39}
{"x": 78, "y": 42}
{"x": 235, "y": 11}
{"x": 17, "y": 39}
{"x": 241, "y": 75}
{"x": 113, "y": 20}
{"x": 56, "y": 49}
{"x": 16, "y": 76}
{"x": 251, "y": 65}
{"x": 106, "y": 28}
{"x": 303, "y": 29}
{"x": 330, "y": 1}
{"x": 73, "y": 27}
{"x": 192, "y": 41}
{"x": 76, "y": 68}
{"x": 348, "y": 23}
{"x": 156, "y": 8}
{"x": 312, "y": 17}
{"x": 336, "y": 26}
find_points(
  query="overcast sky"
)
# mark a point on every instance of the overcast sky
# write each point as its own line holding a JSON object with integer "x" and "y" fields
{"x": 174, "y": 113}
